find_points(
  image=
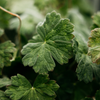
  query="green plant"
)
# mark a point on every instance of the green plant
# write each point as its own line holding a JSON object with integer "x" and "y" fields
{"x": 56, "y": 44}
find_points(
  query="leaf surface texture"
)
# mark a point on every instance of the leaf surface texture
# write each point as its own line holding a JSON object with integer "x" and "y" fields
{"x": 53, "y": 40}
{"x": 21, "y": 89}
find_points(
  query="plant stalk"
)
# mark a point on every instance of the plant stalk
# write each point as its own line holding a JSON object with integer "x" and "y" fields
{"x": 18, "y": 30}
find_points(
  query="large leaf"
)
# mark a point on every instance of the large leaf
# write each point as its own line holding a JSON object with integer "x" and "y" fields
{"x": 4, "y": 82}
{"x": 6, "y": 49}
{"x": 3, "y": 96}
{"x": 94, "y": 44}
{"x": 21, "y": 89}
{"x": 53, "y": 41}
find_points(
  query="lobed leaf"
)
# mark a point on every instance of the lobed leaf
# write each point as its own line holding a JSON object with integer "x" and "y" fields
{"x": 86, "y": 68}
{"x": 3, "y": 96}
{"x": 53, "y": 40}
{"x": 6, "y": 49}
{"x": 21, "y": 89}
{"x": 93, "y": 43}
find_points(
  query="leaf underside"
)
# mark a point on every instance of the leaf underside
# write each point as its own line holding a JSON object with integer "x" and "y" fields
{"x": 53, "y": 40}
{"x": 21, "y": 89}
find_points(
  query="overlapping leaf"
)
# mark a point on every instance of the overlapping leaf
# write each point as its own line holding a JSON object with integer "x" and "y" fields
{"x": 94, "y": 44}
{"x": 53, "y": 41}
{"x": 6, "y": 49}
{"x": 21, "y": 89}
{"x": 86, "y": 68}
{"x": 3, "y": 96}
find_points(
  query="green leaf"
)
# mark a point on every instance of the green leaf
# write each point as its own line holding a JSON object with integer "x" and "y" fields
{"x": 53, "y": 41}
{"x": 4, "y": 82}
{"x": 3, "y": 96}
{"x": 6, "y": 49}
{"x": 1, "y": 32}
{"x": 21, "y": 89}
{"x": 94, "y": 44}
{"x": 86, "y": 68}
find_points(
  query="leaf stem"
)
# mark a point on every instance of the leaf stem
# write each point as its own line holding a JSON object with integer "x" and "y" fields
{"x": 18, "y": 30}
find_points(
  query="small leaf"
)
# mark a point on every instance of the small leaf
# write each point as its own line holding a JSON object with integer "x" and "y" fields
{"x": 21, "y": 89}
{"x": 94, "y": 44}
{"x": 53, "y": 41}
{"x": 4, "y": 82}
{"x": 6, "y": 49}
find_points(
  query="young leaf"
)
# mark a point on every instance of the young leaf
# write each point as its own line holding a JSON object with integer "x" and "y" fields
{"x": 53, "y": 41}
{"x": 6, "y": 49}
{"x": 3, "y": 96}
{"x": 94, "y": 44}
{"x": 21, "y": 89}
{"x": 4, "y": 82}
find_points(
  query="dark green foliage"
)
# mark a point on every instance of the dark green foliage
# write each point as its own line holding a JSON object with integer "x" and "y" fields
{"x": 53, "y": 41}
{"x": 42, "y": 89}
